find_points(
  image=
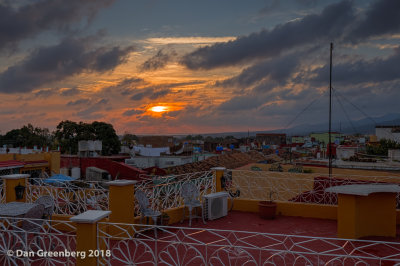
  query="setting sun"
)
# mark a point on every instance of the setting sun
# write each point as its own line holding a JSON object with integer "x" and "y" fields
{"x": 159, "y": 108}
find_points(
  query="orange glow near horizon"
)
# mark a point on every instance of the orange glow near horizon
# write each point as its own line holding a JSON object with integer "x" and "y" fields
{"x": 159, "y": 108}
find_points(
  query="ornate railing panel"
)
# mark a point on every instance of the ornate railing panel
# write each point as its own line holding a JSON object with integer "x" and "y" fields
{"x": 38, "y": 238}
{"x": 165, "y": 192}
{"x": 132, "y": 245}
{"x": 2, "y": 191}
{"x": 297, "y": 187}
{"x": 70, "y": 198}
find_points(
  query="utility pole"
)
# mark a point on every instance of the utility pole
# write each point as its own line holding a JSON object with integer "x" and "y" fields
{"x": 330, "y": 114}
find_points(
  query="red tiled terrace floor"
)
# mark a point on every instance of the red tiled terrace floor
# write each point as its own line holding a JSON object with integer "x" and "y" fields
{"x": 288, "y": 225}
{"x": 193, "y": 245}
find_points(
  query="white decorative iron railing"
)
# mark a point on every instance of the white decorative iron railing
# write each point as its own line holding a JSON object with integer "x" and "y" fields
{"x": 298, "y": 187}
{"x": 29, "y": 241}
{"x": 132, "y": 245}
{"x": 2, "y": 191}
{"x": 70, "y": 198}
{"x": 165, "y": 192}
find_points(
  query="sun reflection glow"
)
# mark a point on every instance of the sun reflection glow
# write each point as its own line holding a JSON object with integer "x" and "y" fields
{"x": 159, "y": 108}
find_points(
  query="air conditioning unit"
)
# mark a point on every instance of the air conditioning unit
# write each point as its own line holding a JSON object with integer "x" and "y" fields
{"x": 215, "y": 205}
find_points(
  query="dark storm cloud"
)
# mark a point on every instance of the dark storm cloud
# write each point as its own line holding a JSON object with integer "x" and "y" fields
{"x": 37, "y": 16}
{"x": 139, "y": 96}
{"x": 276, "y": 69}
{"x": 107, "y": 59}
{"x": 155, "y": 92}
{"x": 71, "y": 92}
{"x": 375, "y": 70}
{"x": 45, "y": 93}
{"x": 70, "y": 57}
{"x": 151, "y": 93}
{"x": 242, "y": 102}
{"x": 94, "y": 108}
{"x": 270, "y": 7}
{"x": 382, "y": 17}
{"x": 158, "y": 61}
{"x": 328, "y": 25}
{"x": 125, "y": 86}
{"x": 78, "y": 102}
{"x": 132, "y": 112}
{"x": 307, "y": 3}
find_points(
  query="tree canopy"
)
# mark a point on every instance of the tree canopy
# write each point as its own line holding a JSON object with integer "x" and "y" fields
{"x": 27, "y": 136}
{"x": 69, "y": 133}
{"x": 383, "y": 147}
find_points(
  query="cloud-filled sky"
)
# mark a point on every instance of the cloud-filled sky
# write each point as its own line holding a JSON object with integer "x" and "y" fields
{"x": 214, "y": 66}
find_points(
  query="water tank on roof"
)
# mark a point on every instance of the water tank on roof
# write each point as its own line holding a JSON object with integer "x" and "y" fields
{"x": 83, "y": 145}
{"x": 98, "y": 145}
{"x": 64, "y": 171}
{"x": 91, "y": 145}
{"x": 76, "y": 172}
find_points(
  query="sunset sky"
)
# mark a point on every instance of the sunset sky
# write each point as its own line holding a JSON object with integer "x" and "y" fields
{"x": 187, "y": 67}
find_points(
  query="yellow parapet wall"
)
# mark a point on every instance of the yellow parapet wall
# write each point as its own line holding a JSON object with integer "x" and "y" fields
{"x": 310, "y": 210}
{"x": 53, "y": 159}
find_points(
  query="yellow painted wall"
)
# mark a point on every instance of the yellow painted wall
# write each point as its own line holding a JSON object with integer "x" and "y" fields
{"x": 309, "y": 210}
{"x": 291, "y": 209}
{"x": 372, "y": 215}
{"x": 6, "y": 157}
{"x": 10, "y": 185}
{"x": 52, "y": 157}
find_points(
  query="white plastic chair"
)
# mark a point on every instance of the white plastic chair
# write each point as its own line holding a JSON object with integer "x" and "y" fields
{"x": 145, "y": 210}
{"x": 48, "y": 202}
{"x": 190, "y": 195}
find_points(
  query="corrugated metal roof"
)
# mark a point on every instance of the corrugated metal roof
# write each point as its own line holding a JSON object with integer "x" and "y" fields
{"x": 11, "y": 164}
{"x": 36, "y": 163}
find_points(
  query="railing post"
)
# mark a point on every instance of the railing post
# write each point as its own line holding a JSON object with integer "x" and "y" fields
{"x": 9, "y": 184}
{"x": 86, "y": 234}
{"x": 122, "y": 201}
{"x": 218, "y": 173}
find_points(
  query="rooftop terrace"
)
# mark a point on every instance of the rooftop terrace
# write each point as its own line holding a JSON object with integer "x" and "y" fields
{"x": 304, "y": 232}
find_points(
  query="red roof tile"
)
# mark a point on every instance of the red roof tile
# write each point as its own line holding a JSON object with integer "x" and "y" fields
{"x": 11, "y": 164}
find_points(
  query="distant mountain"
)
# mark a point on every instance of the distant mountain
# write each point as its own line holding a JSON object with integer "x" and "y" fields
{"x": 362, "y": 126}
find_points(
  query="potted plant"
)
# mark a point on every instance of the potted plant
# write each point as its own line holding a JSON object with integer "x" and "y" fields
{"x": 165, "y": 218}
{"x": 267, "y": 208}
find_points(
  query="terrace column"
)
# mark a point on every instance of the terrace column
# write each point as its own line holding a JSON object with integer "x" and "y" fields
{"x": 122, "y": 201}
{"x": 218, "y": 173}
{"x": 9, "y": 184}
{"x": 86, "y": 234}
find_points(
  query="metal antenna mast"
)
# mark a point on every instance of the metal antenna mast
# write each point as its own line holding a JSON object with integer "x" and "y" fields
{"x": 330, "y": 114}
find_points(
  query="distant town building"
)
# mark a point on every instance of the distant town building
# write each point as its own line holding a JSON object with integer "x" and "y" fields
{"x": 394, "y": 154}
{"x": 271, "y": 138}
{"x": 373, "y": 138}
{"x": 157, "y": 141}
{"x": 89, "y": 148}
{"x": 298, "y": 139}
{"x": 345, "y": 151}
{"x": 388, "y": 132}
{"x": 35, "y": 164}
{"x": 158, "y": 161}
{"x": 324, "y": 137}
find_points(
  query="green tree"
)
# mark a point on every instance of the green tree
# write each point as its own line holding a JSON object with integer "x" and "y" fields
{"x": 198, "y": 137}
{"x": 129, "y": 139}
{"x": 106, "y": 133}
{"x": 69, "y": 133}
{"x": 383, "y": 147}
{"x": 66, "y": 136}
{"x": 28, "y": 136}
